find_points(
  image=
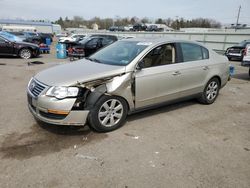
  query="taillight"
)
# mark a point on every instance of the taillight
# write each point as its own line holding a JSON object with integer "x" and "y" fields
{"x": 245, "y": 52}
{"x": 70, "y": 50}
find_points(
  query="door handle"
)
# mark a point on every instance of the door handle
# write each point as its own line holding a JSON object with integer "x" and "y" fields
{"x": 176, "y": 73}
{"x": 205, "y": 68}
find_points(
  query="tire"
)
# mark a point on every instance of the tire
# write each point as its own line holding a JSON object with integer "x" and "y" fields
{"x": 109, "y": 113}
{"x": 229, "y": 58}
{"x": 25, "y": 53}
{"x": 210, "y": 92}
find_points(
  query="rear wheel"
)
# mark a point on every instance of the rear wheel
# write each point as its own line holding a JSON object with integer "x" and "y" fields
{"x": 108, "y": 114}
{"x": 210, "y": 92}
{"x": 25, "y": 53}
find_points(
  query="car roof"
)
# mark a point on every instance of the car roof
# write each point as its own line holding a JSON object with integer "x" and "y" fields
{"x": 152, "y": 40}
{"x": 156, "y": 41}
{"x": 102, "y": 35}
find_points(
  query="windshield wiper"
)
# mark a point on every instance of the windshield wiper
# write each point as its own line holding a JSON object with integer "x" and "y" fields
{"x": 93, "y": 59}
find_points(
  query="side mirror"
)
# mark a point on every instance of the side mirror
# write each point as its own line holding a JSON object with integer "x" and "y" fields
{"x": 140, "y": 65}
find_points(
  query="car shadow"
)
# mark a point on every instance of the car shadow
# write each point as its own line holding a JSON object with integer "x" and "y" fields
{"x": 17, "y": 57}
{"x": 64, "y": 129}
{"x": 44, "y": 139}
{"x": 10, "y": 57}
{"x": 85, "y": 130}
{"x": 161, "y": 109}
{"x": 242, "y": 76}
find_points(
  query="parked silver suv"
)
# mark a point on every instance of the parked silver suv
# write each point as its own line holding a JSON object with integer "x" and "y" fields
{"x": 127, "y": 76}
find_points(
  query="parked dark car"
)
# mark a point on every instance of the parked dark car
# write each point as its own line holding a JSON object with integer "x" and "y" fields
{"x": 11, "y": 46}
{"x": 154, "y": 28}
{"x": 114, "y": 28}
{"x": 33, "y": 37}
{"x": 139, "y": 27}
{"x": 28, "y": 36}
{"x": 44, "y": 36}
{"x": 236, "y": 52}
{"x": 91, "y": 44}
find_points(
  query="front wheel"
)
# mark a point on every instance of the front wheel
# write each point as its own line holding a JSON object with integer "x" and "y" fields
{"x": 25, "y": 53}
{"x": 210, "y": 92}
{"x": 108, "y": 114}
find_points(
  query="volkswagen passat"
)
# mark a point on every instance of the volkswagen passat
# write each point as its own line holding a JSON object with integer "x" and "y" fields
{"x": 125, "y": 77}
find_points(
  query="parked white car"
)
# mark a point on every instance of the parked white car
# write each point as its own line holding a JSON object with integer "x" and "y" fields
{"x": 72, "y": 38}
{"x": 246, "y": 58}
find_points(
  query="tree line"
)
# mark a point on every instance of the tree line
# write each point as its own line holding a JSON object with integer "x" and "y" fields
{"x": 106, "y": 23}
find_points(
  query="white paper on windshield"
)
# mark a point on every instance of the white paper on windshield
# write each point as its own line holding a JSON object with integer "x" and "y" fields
{"x": 144, "y": 43}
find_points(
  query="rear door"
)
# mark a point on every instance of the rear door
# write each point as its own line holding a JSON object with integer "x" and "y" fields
{"x": 194, "y": 70}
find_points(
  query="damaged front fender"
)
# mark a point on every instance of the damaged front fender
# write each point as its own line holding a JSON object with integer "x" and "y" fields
{"x": 120, "y": 85}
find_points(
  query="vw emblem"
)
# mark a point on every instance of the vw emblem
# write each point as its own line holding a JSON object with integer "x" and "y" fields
{"x": 32, "y": 86}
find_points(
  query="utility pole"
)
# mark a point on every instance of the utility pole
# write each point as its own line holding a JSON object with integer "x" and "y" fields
{"x": 237, "y": 21}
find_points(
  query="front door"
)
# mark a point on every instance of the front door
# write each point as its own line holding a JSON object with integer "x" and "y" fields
{"x": 6, "y": 47}
{"x": 158, "y": 80}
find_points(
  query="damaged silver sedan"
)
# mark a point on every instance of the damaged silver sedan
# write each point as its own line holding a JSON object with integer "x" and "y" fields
{"x": 125, "y": 77}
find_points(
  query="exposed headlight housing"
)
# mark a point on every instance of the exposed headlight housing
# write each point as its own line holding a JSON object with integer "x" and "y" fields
{"x": 61, "y": 92}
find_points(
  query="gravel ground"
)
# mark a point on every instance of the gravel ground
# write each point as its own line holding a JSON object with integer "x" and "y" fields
{"x": 180, "y": 145}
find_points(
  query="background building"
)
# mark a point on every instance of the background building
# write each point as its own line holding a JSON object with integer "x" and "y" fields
{"x": 21, "y": 25}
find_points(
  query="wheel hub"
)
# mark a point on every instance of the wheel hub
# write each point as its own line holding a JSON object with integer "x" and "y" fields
{"x": 110, "y": 113}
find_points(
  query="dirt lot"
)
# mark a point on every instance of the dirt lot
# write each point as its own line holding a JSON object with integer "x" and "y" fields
{"x": 181, "y": 145}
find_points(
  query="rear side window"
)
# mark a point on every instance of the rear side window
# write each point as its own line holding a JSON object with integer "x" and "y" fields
{"x": 205, "y": 53}
{"x": 107, "y": 41}
{"x": 193, "y": 52}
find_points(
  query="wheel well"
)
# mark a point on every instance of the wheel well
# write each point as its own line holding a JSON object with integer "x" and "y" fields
{"x": 92, "y": 99}
{"x": 218, "y": 79}
{"x": 125, "y": 101}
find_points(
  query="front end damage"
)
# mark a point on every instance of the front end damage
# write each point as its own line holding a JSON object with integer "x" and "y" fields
{"x": 75, "y": 111}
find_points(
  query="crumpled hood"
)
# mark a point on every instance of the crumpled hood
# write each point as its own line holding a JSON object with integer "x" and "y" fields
{"x": 79, "y": 71}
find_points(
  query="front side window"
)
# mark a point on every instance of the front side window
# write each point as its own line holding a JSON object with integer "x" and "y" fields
{"x": 161, "y": 55}
{"x": 93, "y": 42}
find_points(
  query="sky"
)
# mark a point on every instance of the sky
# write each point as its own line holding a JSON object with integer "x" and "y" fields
{"x": 224, "y": 11}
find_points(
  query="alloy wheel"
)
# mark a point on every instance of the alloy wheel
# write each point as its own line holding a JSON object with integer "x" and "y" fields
{"x": 25, "y": 54}
{"x": 212, "y": 90}
{"x": 110, "y": 113}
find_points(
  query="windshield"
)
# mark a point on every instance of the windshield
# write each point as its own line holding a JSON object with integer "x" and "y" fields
{"x": 119, "y": 53}
{"x": 11, "y": 37}
{"x": 243, "y": 43}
